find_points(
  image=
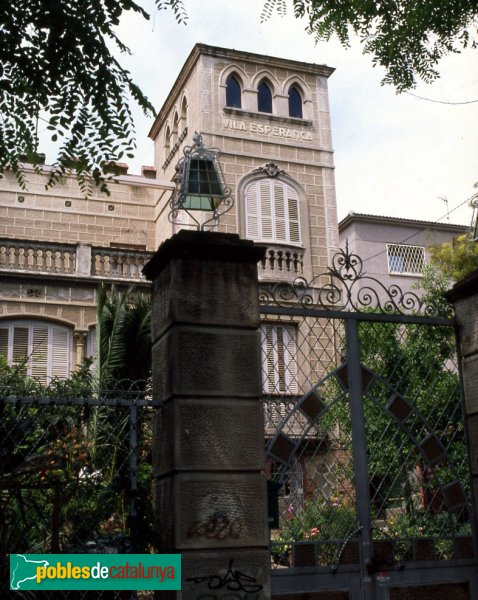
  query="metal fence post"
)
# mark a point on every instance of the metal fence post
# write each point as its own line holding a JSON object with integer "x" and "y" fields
{"x": 133, "y": 473}
{"x": 359, "y": 451}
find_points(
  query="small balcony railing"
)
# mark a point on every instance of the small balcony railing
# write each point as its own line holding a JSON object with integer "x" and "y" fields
{"x": 281, "y": 263}
{"x": 118, "y": 264}
{"x": 18, "y": 255}
{"x": 50, "y": 258}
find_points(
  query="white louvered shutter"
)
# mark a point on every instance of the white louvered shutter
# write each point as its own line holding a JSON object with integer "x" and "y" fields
{"x": 40, "y": 350}
{"x": 4, "y": 341}
{"x": 60, "y": 352}
{"x": 267, "y": 346}
{"x": 267, "y": 207}
{"x": 280, "y": 368}
{"x": 20, "y": 348}
{"x": 252, "y": 212}
{"x": 290, "y": 359}
{"x": 280, "y": 214}
{"x": 293, "y": 216}
{"x": 279, "y": 359}
{"x": 92, "y": 346}
{"x": 38, "y": 362}
{"x": 272, "y": 212}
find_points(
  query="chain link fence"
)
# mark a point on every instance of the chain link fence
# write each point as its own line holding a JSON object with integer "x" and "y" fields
{"x": 75, "y": 477}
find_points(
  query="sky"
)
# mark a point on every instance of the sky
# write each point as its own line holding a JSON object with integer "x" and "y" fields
{"x": 395, "y": 154}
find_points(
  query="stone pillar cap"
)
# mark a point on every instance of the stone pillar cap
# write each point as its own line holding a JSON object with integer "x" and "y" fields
{"x": 203, "y": 245}
{"x": 464, "y": 288}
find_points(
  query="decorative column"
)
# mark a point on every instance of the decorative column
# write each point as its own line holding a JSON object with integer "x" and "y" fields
{"x": 464, "y": 295}
{"x": 80, "y": 338}
{"x": 208, "y": 447}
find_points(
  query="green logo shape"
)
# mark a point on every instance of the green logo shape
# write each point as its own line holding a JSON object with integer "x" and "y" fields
{"x": 95, "y": 572}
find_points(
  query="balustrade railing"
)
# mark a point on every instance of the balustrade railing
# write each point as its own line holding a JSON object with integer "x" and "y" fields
{"x": 279, "y": 264}
{"x": 282, "y": 263}
{"x": 69, "y": 259}
{"x": 34, "y": 256}
{"x": 121, "y": 264}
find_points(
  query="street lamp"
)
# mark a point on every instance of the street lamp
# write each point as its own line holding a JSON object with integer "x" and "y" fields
{"x": 200, "y": 185}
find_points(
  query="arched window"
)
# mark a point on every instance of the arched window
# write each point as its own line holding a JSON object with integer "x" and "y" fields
{"x": 167, "y": 139}
{"x": 39, "y": 349}
{"x": 174, "y": 133}
{"x": 295, "y": 103}
{"x": 264, "y": 98}
{"x": 184, "y": 111}
{"x": 272, "y": 212}
{"x": 233, "y": 92}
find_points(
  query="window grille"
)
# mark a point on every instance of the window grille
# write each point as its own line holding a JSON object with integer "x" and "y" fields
{"x": 272, "y": 212}
{"x": 279, "y": 358}
{"x": 405, "y": 260}
{"x": 38, "y": 349}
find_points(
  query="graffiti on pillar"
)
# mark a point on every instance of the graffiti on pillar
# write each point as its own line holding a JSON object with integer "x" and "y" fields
{"x": 233, "y": 580}
{"x": 216, "y": 527}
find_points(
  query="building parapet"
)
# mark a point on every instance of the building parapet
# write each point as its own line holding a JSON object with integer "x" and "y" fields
{"x": 280, "y": 263}
{"x": 72, "y": 260}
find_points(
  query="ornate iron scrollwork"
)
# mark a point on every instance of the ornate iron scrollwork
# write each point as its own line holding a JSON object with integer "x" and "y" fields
{"x": 346, "y": 286}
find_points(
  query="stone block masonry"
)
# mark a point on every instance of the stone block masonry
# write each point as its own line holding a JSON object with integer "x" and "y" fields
{"x": 208, "y": 446}
{"x": 464, "y": 295}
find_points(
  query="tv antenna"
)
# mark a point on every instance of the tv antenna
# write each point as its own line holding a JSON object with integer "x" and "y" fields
{"x": 445, "y": 200}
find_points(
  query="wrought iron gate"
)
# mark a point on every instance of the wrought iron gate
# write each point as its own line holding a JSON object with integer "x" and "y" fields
{"x": 365, "y": 441}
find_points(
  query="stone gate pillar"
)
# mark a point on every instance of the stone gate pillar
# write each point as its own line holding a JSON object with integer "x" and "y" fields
{"x": 464, "y": 295}
{"x": 208, "y": 448}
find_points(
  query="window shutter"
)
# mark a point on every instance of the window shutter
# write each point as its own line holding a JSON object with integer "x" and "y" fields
{"x": 252, "y": 216}
{"x": 41, "y": 350}
{"x": 92, "y": 347}
{"x": 293, "y": 212}
{"x": 279, "y": 362}
{"x": 4, "y": 342}
{"x": 20, "y": 349}
{"x": 266, "y": 209}
{"x": 38, "y": 363}
{"x": 290, "y": 359}
{"x": 272, "y": 212}
{"x": 60, "y": 352}
{"x": 279, "y": 359}
{"x": 280, "y": 212}
{"x": 268, "y": 377}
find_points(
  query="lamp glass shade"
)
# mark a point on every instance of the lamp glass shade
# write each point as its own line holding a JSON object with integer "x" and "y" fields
{"x": 200, "y": 202}
{"x": 202, "y": 190}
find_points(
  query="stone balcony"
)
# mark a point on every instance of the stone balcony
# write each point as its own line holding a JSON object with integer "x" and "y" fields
{"x": 281, "y": 263}
{"x": 72, "y": 260}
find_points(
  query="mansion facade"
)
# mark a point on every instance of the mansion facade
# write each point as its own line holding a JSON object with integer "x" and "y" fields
{"x": 270, "y": 119}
